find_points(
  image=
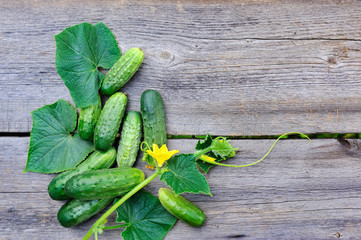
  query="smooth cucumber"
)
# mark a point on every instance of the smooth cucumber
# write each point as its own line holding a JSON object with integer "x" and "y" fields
{"x": 97, "y": 160}
{"x": 104, "y": 183}
{"x": 122, "y": 71}
{"x": 77, "y": 211}
{"x": 109, "y": 121}
{"x": 181, "y": 208}
{"x": 151, "y": 106}
{"x": 87, "y": 119}
{"x": 129, "y": 139}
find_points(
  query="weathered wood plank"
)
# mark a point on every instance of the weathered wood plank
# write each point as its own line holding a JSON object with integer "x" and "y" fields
{"x": 301, "y": 191}
{"x": 256, "y": 68}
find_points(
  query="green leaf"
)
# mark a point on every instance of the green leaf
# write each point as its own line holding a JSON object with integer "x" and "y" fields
{"x": 145, "y": 216}
{"x": 204, "y": 166}
{"x": 80, "y": 51}
{"x": 182, "y": 175}
{"x": 222, "y": 148}
{"x": 206, "y": 143}
{"x": 52, "y": 148}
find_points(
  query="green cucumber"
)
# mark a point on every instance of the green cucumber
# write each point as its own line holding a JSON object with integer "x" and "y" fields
{"x": 122, "y": 71}
{"x": 104, "y": 183}
{"x": 181, "y": 208}
{"x": 129, "y": 139}
{"x": 87, "y": 119}
{"x": 77, "y": 211}
{"x": 109, "y": 121}
{"x": 97, "y": 160}
{"x": 151, "y": 106}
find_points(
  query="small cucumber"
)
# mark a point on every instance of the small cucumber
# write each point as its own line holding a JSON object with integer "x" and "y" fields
{"x": 122, "y": 71}
{"x": 104, "y": 183}
{"x": 87, "y": 119}
{"x": 97, "y": 160}
{"x": 77, "y": 211}
{"x": 181, "y": 208}
{"x": 129, "y": 139}
{"x": 109, "y": 121}
{"x": 151, "y": 106}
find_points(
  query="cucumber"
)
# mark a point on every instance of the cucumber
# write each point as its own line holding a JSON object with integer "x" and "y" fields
{"x": 151, "y": 106}
{"x": 129, "y": 139}
{"x": 104, "y": 183}
{"x": 109, "y": 121}
{"x": 87, "y": 119}
{"x": 122, "y": 71}
{"x": 97, "y": 160}
{"x": 181, "y": 208}
{"x": 77, "y": 211}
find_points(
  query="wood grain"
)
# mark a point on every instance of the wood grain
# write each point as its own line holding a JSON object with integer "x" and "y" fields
{"x": 237, "y": 68}
{"x": 301, "y": 191}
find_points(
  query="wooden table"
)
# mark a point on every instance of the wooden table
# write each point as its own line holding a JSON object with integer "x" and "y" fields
{"x": 232, "y": 68}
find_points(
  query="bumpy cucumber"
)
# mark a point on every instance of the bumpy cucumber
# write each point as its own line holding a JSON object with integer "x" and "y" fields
{"x": 122, "y": 71}
{"x": 109, "y": 121}
{"x": 77, "y": 211}
{"x": 104, "y": 183}
{"x": 181, "y": 208}
{"x": 87, "y": 119}
{"x": 151, "y": 106}
{"x": 97, "y": 160}
{"x": 129, "y": 139}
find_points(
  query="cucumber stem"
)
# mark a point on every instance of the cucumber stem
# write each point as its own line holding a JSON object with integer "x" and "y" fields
{"x": 116, "y": 226}
{"x": 199, "y": 153}
{"x": 120, "y": 202}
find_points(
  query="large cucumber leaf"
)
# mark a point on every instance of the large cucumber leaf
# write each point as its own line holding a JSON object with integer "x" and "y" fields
{"x": 80, "y": 51}
{"x": 182, "y": 175}
{"x": 145, "y": 217}
{"x": 52, "y": 147}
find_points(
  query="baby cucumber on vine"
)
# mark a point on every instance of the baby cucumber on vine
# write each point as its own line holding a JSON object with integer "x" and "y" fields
{"x": 87, "y": 119}
{"x": 181, "y": 208}
{"x": 109, "y": 121}
{"x": 122, "y": 71}
{"x": 97, "y": 160}
{"x": 129, "y": 139}
{"x": 151, "y": 106}
{"x": 77, "y": 211}
{"x": 104, "y": 183}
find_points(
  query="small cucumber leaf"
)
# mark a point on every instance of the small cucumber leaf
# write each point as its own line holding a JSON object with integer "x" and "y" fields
{"x": 52, "y": 148}
{"x": 201, "y": 145}
{"x": 206, "y": 143}
{"x": 145, "y": 217}
{"x": 182, "y": 175}
{"x": 222, "y": 148}
{"x": 80, "y": 51}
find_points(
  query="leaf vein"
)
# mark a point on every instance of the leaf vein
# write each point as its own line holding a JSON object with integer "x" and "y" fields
{"x": 76, "y": 51}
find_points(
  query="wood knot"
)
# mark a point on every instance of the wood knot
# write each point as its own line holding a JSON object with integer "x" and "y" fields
{"x": 332, "y": 60}
{"x": 165, "y": 55}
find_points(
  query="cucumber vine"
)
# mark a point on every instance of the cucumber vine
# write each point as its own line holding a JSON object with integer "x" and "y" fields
{"x": 219, "y": 147}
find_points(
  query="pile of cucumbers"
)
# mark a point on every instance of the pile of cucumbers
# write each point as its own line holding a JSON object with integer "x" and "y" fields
{"x": 93, "y": 184}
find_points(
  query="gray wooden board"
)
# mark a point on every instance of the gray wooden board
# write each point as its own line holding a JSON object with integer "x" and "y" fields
{"x": 237, "y": 68}
{"x": 301, "y": 191}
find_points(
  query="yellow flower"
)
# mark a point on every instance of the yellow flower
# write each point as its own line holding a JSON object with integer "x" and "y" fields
{"x": 208, "y": 158}
{"x": 161, "y": 154}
